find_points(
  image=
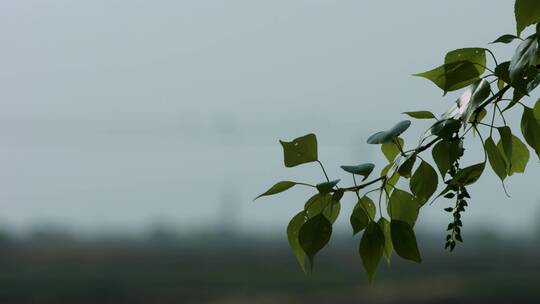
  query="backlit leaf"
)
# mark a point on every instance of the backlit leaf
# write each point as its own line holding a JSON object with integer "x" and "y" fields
{"x": 391, "y": 149}
{"x": 496, "y": 159}
{"x": 403, "y": 206}
{"x": 322, "y": 203}
{"x": 520, "y": 156}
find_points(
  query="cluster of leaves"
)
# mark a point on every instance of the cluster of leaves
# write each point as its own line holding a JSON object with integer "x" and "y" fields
{"x": 388, "y": 226}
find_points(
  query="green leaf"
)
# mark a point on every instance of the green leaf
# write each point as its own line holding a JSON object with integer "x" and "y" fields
{"x": 461, "y": 68}
{"x": 506, "y": 147}
{"x": 391, "y": 149}
{"x": 326, "y": 187}
{"x": 383, "y": 137}
{"x": 384, "y": 224}
{"x": 406, "y": 168}
{"x": 527, "y": 12}
{"x": 522, "y": 85}
{"x": 464, "y": 107}
{"x": 332, "y": 212}
{"x": 445, "y": 154}
{"x": 421, "y": 114}
{"x": 530, "y": 128}
{"x": 525, "y": 84}
{"x": 403, "y": 206}
{"x": 537, "y": 110}
{"x": 496, "y": 159}
{"x": 478, "y": 116}
{"x": 300, "y": 151}
{"x": 372, "y": 248}
{"x": 391, "y": 179}
{"x": 277, "y": 188}
{"x": 322, "y": 204}
{"x": 359, "y": 219}
{"x": 445, "y": 128}
{"x": 424, "y": 182}
{"x": 524, "y": 57}
{"x": 362, "y": 169}
{"x": 507, "y": 38}
{"x": 314, "y": 235}
{"x": 520, "y": 156}
{"x": 404, "y": 241}
{"x": 468, "y": 175}
{"x": 293, "y": 230}
{"x": 363, "y": 212}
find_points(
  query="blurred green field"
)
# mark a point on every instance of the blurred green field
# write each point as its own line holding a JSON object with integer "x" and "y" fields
{"x": 232, "y": 269}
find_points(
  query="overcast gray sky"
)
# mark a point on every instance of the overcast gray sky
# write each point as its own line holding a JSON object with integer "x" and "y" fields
{"x": 124, "y": 114}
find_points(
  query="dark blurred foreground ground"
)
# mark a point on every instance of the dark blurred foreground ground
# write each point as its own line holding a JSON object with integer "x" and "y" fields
{"x": 229, "y": 269}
